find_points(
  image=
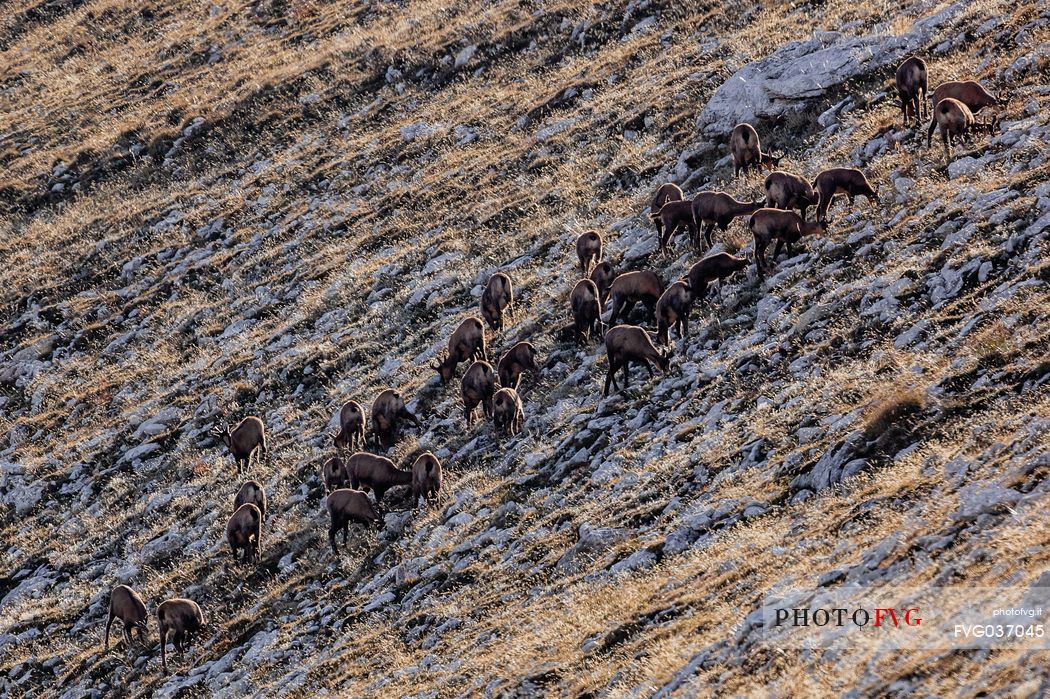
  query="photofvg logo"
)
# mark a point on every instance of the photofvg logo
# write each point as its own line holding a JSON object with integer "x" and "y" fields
{"x": 947, "y": 618}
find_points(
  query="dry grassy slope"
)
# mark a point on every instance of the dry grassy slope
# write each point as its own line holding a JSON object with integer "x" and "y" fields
{"x": 267, "y": 207}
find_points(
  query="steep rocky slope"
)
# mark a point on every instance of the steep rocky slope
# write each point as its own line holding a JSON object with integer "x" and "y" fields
{"x": 269, "y": 207}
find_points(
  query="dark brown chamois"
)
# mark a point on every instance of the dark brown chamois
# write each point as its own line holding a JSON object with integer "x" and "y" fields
{"x": 631, "y": 287}
{"x": 716, "y": 267}
{"x": 672, "y": 311}
{"x": 712, "y": 209}
{"x": 507, "y": 411}
{"x": 841, "y": 180}
{"x": 351, "y": 434}
{"x": 517, "y": 360}
{"x": 477, "y": 388}
{"x": 426, "y": 478}
{"x": 184, "y": 618}
{"x": 253, "y": 492}
{"x": 375, "y": 473}
{"x": 586, "y": 310}
{"x": 126, "y": 605}
{"x": 673, "y": 217}
{"x": 346, "y": 506}
{"x": 497, "y": 297}
{"x": 388, "y": 410}
{"x": 588, "y": 250}
{"x": 913, "y": 88}
{"x": 243, "y": 441}
{"x": 746, "y": 149}
{"x": 244, "y": 532}
{"x": 467, "y": 342}
{"x": 786, "y": 190}
{"x": 629, "y": 343}
{"x": 786, "y": 227}
{"x": 333, "y": 473}
{"x": 603, "y": 275}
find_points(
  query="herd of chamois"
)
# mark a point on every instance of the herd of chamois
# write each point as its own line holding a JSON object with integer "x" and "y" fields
{"x": 352, "y": 472}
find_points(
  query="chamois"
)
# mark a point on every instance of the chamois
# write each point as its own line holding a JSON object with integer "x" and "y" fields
{"x": 841, "y": 180}
{"x": 244, "y": 532}
{"x": 954, "y": 119}
{"x": 244, "y": 440}
{"x": 672, "y": 310}
{"x": 507, "y": 414}
{"x": 351, "y": 434}
{"x": 672, "y": 217}
{"x": 388, "y": 410}
{"x": 970, "y": 92}
{"x": 426, "y": 478}
{"x": 718, "y": 208}
{"x": 629, "y": 343}
{"x": 588, "y": 250}
{"x": 586, "y": 310}
{"x": 602, "y": 275}
{"x": 497, "y": 297}
{"x": 714, "y": 267}
{"x": 666, "y": 192}
{"x": 126, "y": 605}
{"x": 631, "y": 287}
{"x": 517, "y": 360}
{"x": 786, "y": 190}
{"x": 333, "y": 473}
{"x": 786, "y": 227}
{"x": 477, "y": 387}
{"x": 913, "y": 88}
{"x": 375, "y": 473}
{"x": 747, "y": 152}
{"x": 345, "y": 506}
{"x": 182, "y": 616}
{"x": 251, "y": 491}
{"x": 466, "y": 342}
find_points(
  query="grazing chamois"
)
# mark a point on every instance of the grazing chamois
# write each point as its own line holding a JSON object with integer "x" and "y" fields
{"x": 497, "y": 297}
{"x": 477, "y": 388}
{"x": 346, "y": 506}
{"x": 388, "y": 410}
{"x": 665, "y": 193}
{"x": 586, "y": 310}
{"x": 786, "y": 227}
{"x": 517, "y": 360}
{"x": 507, "y": 411}
{"x": 786, "y": 190}
{"x": 718, "y": 266}
{"x": 426, "y": 478}
{"x": 184, "y": 618}
{"x": 954, "y": 119}
{"x": 970, "y": 92}
{"x": 333, "y": 473}
{"x": 253, "y": 492}
{"x": 841, "y": 180}
{"x": 466, "y": 342}
{"x": 588, "y": 250}
{"x": 712, "y": 209}
{"x": 629, "y": 343}
{"x": 126, "y": 605}
{"x": 351, "y": 433}
{"x": 671, "y": 218}
{"x": 603, "y": 275}
{"x": 248, "y": 438}
{"x": 747, "y": 153}
{"x": 376, "y": 473}
{"x": 913, "y": 88}
{"x": 672, "y": 310}
{"x": 244, "y": 532}
{"x": 631, "y": 287}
